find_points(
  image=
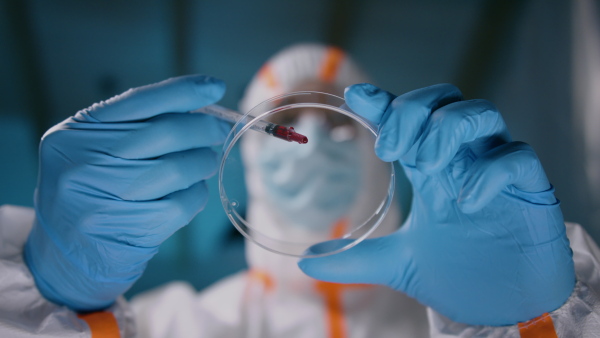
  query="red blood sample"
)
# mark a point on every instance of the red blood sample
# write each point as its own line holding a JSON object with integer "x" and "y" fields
{"x": 289, "y": 134}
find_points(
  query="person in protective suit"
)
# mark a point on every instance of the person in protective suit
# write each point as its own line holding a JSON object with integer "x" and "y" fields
{"x": 484, "y": 250}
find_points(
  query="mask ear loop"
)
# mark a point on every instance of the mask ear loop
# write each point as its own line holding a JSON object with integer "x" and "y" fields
{"x": 343, "y": 134}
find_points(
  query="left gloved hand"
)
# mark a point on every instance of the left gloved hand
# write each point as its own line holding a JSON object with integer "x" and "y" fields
{"x": 485, "y": 242}
{"x": 116, "y": 180}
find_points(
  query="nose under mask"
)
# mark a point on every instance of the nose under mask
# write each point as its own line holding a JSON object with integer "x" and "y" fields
{"x": 311, "y": 185}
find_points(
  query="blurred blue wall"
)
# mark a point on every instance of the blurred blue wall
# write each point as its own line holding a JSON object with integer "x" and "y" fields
{"x": 86, "y": 51}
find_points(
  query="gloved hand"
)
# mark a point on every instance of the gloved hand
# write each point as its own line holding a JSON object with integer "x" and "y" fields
{"x": 116, "y": 180}
{"x": 485, "y": 241}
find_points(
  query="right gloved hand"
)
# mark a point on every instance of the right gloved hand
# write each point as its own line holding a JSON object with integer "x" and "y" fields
{"x": 116, "y": 180}
{"x": 485, "y": 241}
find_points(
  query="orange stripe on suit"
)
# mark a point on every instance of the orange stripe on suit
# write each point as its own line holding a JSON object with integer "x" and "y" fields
{"x": 102, "y": 324}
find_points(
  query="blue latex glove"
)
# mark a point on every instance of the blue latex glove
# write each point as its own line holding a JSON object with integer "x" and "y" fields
{"x": 116, "y": 180}
{"x": 485, "y": 241}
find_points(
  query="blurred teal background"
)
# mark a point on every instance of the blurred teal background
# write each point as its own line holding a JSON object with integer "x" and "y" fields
{"x": 57, "y": 57}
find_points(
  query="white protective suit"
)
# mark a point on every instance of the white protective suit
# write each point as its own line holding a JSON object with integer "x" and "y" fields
{"x": 274, "y": 298}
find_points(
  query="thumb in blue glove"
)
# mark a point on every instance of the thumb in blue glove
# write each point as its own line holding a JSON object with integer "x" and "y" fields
{"x": 485, "y": 242}
{"x": 116, "y": 180}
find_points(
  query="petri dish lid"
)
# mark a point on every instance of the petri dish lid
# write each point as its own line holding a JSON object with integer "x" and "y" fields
{"x": 300, "y": 195}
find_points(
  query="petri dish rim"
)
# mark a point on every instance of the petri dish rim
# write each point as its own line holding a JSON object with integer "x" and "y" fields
{"x": 246, "y": 122}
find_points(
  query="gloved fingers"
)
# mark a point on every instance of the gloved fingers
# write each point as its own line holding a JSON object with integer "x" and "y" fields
{"x": 183, "y": 205}
{"x": 149, "y": 223}
{"x": 406, "y": 116}
{"x": 145, "y": 180}
{"x": 174, "y": 95}
{"x": 513, "y": 163}
{"x": 455, "y": 124}
{"x": 368, "y": 101}
{"x": 373, "y": 261}
{"x": 169, "y": 133}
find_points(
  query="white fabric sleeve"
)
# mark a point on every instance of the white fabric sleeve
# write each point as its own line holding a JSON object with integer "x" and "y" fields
{"x": 24, "y": 312}
{"x": 578, "y": 317}
{"x": 178, "y": 310}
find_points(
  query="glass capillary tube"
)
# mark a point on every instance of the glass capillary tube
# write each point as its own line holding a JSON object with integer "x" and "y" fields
{"x": 264, "y": 127}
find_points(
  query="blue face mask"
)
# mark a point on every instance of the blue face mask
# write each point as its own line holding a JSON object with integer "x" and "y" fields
{"x": 315, "y": 184}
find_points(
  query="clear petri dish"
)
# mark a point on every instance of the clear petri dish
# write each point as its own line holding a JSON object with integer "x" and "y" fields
{"x": 299, "y": 195}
